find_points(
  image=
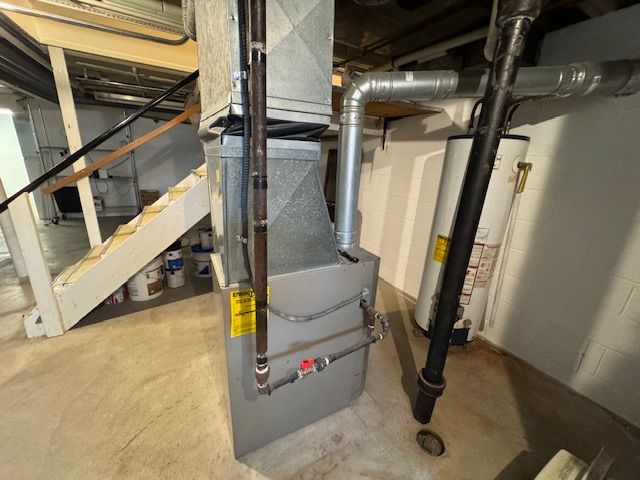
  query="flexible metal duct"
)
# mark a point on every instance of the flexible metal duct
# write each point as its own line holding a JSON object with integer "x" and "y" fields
{"x": 579, "y": 79}
{"x": 189, "y": 19}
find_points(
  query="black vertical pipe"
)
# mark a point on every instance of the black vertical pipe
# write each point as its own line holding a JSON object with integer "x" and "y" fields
{"x": 513, "y": 22}
{"x": 259, "y": 151}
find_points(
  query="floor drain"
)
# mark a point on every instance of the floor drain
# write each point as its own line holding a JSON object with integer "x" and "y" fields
{"x": 430, "y": 442}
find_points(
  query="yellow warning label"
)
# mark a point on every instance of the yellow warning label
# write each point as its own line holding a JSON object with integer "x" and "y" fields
{"x": 243, "y": 312}
{"x": 442, "y": 248}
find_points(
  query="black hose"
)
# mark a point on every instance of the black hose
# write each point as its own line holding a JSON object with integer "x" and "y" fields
{"x": 473, "y": 116}
{"x": 82, "y": 151}
{"x": 246, "y": 136}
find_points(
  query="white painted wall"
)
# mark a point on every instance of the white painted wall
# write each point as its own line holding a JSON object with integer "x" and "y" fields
{"x": 13, "y": 172}
{"x": 160, "y": 164}
{"x": 570, "y": 305}
{"x": 398, "y": 190}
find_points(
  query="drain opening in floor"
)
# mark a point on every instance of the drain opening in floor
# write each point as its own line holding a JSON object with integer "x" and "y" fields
{"x": 430, "y": 442}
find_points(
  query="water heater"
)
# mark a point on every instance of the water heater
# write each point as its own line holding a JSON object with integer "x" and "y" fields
{"x": 488, "y": 239}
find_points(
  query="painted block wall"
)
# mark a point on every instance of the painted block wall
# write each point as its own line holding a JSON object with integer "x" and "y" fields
{"x": 570, "y": 304}
{"x": 398, "y": 190}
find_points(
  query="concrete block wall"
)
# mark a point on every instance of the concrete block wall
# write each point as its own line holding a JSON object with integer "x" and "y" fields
{"x": 570, "y": 303}
{"x": 398, "y": 190}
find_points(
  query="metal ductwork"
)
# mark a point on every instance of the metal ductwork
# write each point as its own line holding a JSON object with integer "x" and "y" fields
{"x": 579, "y": 79}
{"x": 189, "y": 18}
{"x": 76, "y": 22}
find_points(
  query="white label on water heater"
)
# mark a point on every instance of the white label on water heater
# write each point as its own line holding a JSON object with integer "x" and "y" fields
{"x": 467, "y": 289}
{"x": 487, "y": 265}
{"x": 477, "y": 274}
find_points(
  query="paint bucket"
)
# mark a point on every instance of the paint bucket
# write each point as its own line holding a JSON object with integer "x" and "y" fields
{"x": 175, "y": 278}
{"x": 202, "y": 261}
{"x": 116, "y": 297}
{"x": 147, "y": 283}
{"x": 174, "y": 266}
{"x": 173, "y": 257}
{"x": 206, "y": 238}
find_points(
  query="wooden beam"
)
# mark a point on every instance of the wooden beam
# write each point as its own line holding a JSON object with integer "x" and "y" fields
{"x": 37, "y": 268}
{"x": 72, "y": 130}
{"x": 385, "y": 109}
{"x": 110, "y": 157}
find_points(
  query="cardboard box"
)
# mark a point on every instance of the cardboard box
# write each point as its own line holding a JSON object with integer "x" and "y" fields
{"x": 147, "y": 197}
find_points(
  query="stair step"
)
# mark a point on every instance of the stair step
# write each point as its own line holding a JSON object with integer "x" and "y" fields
{"x": 120, "y": 235}
{"x": 176, "y": 192}
{"x": 201, "y": 171}
{"x": 108, "y": 266}
{"x": 149, "y": 213}
{"x": 63, "y": 277}
{"x": 89, "y": 260}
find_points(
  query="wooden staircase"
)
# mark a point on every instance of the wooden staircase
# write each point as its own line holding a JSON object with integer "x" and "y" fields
{"x": 81, "y": 287}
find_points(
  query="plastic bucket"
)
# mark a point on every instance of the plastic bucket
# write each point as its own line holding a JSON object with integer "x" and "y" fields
{"x": 175, "y": 278}
{"x": 147, "y": 283}
{"x": 201, "y": 261}
{"x": 206, "y": 239}
{"x": 116, "y": 297}
{"x": 173, "y": 257}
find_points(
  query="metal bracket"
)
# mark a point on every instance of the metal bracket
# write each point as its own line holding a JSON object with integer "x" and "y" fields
{"x": 240, "y": 75}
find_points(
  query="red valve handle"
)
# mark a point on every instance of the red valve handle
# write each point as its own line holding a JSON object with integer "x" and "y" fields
{"x": 307, "y": 363}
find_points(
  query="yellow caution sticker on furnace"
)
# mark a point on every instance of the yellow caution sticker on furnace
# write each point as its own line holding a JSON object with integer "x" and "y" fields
{"x": 243, "y": 312}
{"x": 442, "y": 248}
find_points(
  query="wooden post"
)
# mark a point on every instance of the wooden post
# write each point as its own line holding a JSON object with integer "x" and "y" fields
{"x": 39, "y": 275}
{"x": 72, "y": 130}
{"x": 11, "y": 239}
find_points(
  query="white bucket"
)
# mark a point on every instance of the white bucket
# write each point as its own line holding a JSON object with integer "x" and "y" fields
{"x": 173, "y": 258}
{"x": 147, "y": 283}
{"x": 201, "y": 261}
{"x": 206, "y": 238}
{"x": 174, "y": 266}
{"x": 116, "y": 297}
{"x": 175, "y": 278}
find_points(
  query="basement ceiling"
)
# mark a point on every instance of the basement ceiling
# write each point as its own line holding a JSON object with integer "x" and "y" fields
{"x": 368, "y": 34}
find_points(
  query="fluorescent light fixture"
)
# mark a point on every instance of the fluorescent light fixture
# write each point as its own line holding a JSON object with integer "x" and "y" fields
{"x": 5, "y": 111}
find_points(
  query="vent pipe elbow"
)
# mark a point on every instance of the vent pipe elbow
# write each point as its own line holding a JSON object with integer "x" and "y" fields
{"x": 374, "y": 86}
{"x": 621, "y": 77}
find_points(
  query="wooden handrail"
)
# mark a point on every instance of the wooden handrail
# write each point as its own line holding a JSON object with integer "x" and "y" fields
{"x": 110, "y": 157}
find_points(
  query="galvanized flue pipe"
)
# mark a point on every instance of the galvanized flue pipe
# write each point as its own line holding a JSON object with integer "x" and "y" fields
{"x": 619, "y": 77}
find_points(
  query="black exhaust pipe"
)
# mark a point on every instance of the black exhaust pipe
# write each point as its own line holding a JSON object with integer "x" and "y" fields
{"x": 513, "y": 22}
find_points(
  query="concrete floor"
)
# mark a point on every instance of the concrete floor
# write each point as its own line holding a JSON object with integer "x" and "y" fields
{"x": 143, "y": 396}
